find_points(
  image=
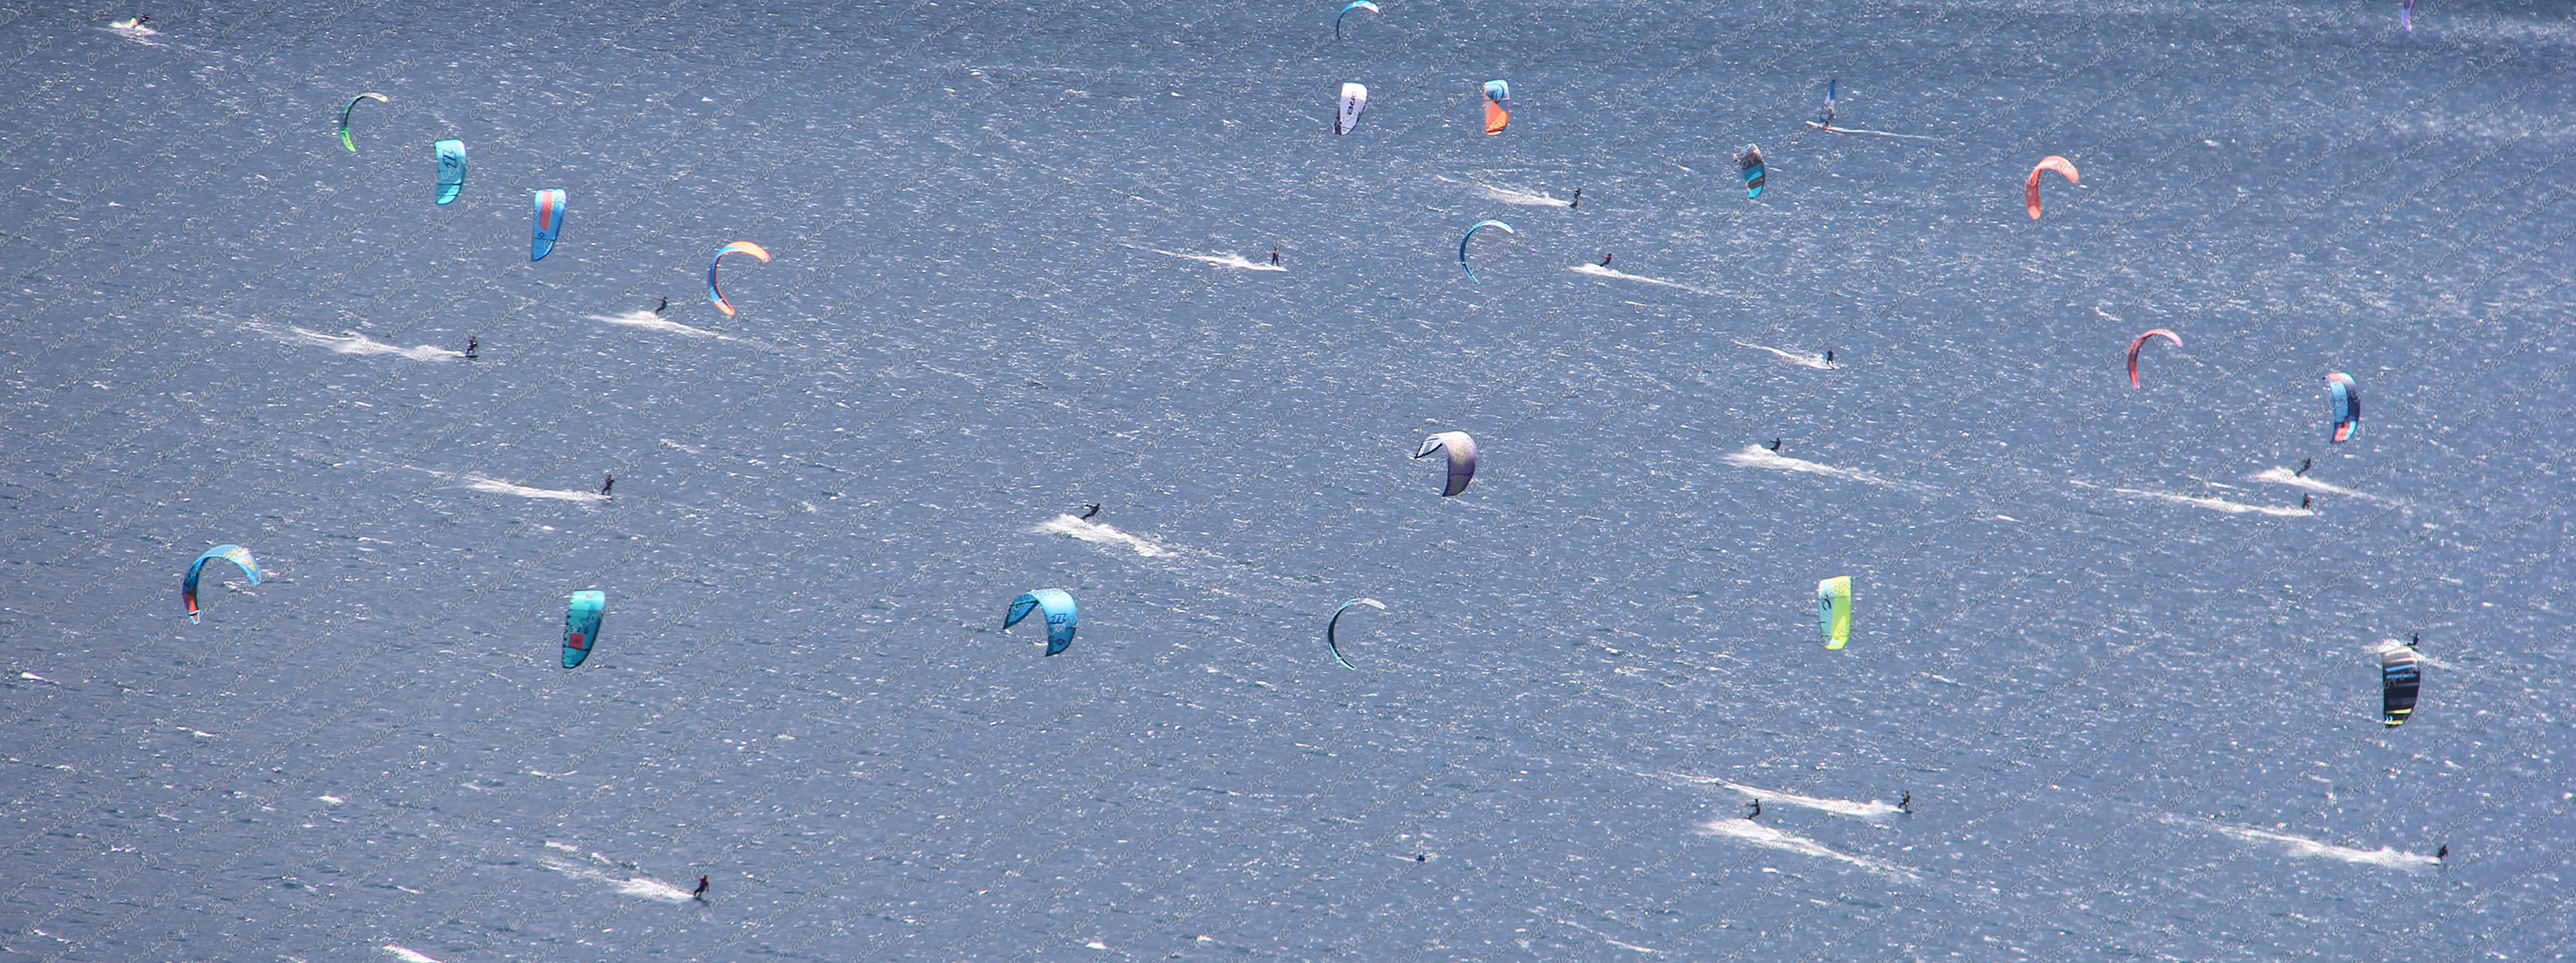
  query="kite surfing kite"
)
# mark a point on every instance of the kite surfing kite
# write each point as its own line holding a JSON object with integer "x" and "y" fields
{"x": 451, "y": 170}
{"x": 1471, "y": 235}
{"x": 1498, "y": 106}
{"x": 1462, "y": 458}
{"x": 2400, "y": 676}
{"x": 2347, "y": 405}
{"x": 550, "y": 214}
{"x": 716, "y": 294}
{"x": 230, "y": 553}
{"x": 1059, "y": 616}
{"x": 2141, "y": 343}
{"x": 1361, "y": 5}
{"x": 1354, "y": 100}
{"x": 2030, "y": 187}
{"x": 581, "y": 625}
{"x": 1337, "y": 621}
{"x": 1833, "y": 610}
{"x": 1750, "y": 161}
{"x": 353, "y": 105}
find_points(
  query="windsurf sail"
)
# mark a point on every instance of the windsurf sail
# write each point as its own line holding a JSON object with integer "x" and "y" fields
{"x": 2347, "y": 405}
{"x": 1462, "y": 458}
{"x": 1750, "y": 162}
{"x": 2401, "y": 676}
{"x": 451, "y": 170}
{"x": 2030, "y": 186}
{"x": 716, "y": 294}
{"x": 231, "y": 553}
{"x": 1336, "y": 622}
{"x": 1826, "y": 119}
{"x": 1471, "y": 235}
{"x": 1060, "y": 614}
{"x": 1346, "y": 11}
{"x": 1354, "y": 100}
{"x": 353, "y": 105}
{"x": 1833, "y": 610}
{"x": 581, "y": 625}
{"x": 2141, "y": 343}
{"x": 549, "y": 225}
{"x": 1498, "y": 106}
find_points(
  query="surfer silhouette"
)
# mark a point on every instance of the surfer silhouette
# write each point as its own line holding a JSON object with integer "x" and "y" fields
{"x": 472, "y": 348}
{"x": 1578, "y": 205}
{"x": 1829, "y": 355}
{"x": 1757, "y": 809}
{"x": 1274, "y": 255}
{"x": 1420, "y": 858}
{"x": 700, "y": 894}
{"x": 1605, "y": 260}
{"x": 1905, "y": 803}
{"x": 2443, "y": 853}
{"x": 666, "y": 303}
{"x": 2303, "y": 467}
{"x": 2414, "y": 639}
{"x": 1775, "y": 444}
{"x": 2306, "y": 500}
{"x": 605, "y": 485}
{"x": 1090, "y": 508}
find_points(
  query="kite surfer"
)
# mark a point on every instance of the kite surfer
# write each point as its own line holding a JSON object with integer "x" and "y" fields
{"x": 700, "y": 894}
{"x": 1775, "y": 444}
{"x": 2303, "y": 467}
{"x": 2442, "y": 854}
{"x": 2306, "y": 500}
{"x": 606, "y": 484}
{"x": 1757, "y": 809}
{"x": 1274, "y": 255}
{"x": 1829, "y": 355}
{"x": 1578, "y": 205}
{"x": 1420, "y": 858}
{"x": 473, "y": 348}
{"x": 1605, "y": 260}
{"x": 2414, "y": 639}
{"x": 1090, "y": 508}
{"x": 666, "y": 303}
{"x": 1905, "y": 803}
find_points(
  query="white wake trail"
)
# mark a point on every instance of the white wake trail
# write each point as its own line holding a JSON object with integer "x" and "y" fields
{"x": 1853, "y": 808}
{"x": 2218, "y": 504}
{"x": 1769, "y": 838}
{"x": 637, "y": 886}
{"x": 2283, "y": 476}
{"x": 1816, "y": 361}
{"x": 2301, "y": 847}
{"x": 1522, "y": 198}
{"x": 355, "y": 343}
{"x": 1235, "y": 261}
{"x": 1100, "y": 534}
{"x": 1602, "y": 272}
{"x": 1756, "y": 456}
{"x": 649, "y": 321}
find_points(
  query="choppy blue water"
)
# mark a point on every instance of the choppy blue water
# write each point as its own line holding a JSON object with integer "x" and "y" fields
{"x": 2128, "y": 682}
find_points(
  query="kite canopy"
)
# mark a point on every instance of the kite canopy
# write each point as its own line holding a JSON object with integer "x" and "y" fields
{"x": 1336, "y": 646}
{"x": 353, "y": 105}
{"x": 2401, "y": 675}
{"x": 451, "y": 170}
{"x": 231, "y": 553}
{"x": 1462, "y": 458}
{"x": 1834, "y": 610}
{"x": 716, "y": 294}
{"x": 1346, "y": 11}
{"x": 1354, "y": 100}
{"x": 1498, "y": 106}
{"x": 549, "y": 225}
{"x": 1059, "y": 610}
{"x": 1750, "y": 160}
{"x": 1471, "y": 234}
{"x": 581, "y": 625}
{"x": 2030, "y": 187}
{"x": 2141, "y": 343}
{"x": 2347, "y": 405}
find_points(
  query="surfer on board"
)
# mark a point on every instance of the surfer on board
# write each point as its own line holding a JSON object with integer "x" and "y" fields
{"x": 1775, "y": 444}
{"x": 1578, "y": 205}
{"x": 1829, "y": 355}
{"x": 1090, "y": 508}
{"x": 1274, "y": 255}
{"x": 2443, "y": 854}
{"x": 700, "y": 894}
{"x": 666, "y": 303}
{"x": 1605, "y": 260}
{"x": 2303, "y": 467}
{"x": 1905, "y": 802}
{"x": 473, "y": 347}
{"x": 606, "y": 484}
{"x": 2306, "y": 500}
{"x": 1757, "y": 810}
